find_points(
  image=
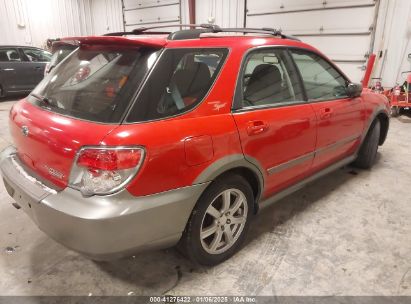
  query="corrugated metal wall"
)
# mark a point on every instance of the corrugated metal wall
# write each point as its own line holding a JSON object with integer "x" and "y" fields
{"x": 29, "y": 22}
{"x": 392, "y": 42}
{"x": 225, "y": 13}
{"x": 138, "y": 13}
{"x": 107, "y": 16}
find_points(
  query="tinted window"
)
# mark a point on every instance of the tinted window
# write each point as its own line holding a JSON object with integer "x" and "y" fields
{"x": 60, "y": 54}
{"x": 321, "y": 80}
{"x": 269, "y": 77}
{"x": 95, "y": 83}
{"x": 180, "y": 80}
{"x": 9, "y": 55}
{"x": 36, "y": 55}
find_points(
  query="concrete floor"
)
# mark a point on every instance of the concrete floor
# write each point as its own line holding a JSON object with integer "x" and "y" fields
{"x": 346, "y": 234}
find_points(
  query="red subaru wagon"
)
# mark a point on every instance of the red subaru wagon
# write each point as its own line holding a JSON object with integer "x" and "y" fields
{"x": 139, "y": 140}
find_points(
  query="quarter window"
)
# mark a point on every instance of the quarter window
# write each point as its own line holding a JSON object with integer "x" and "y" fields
{"x": 179, "y": 82}
{"x": 269, "y": 78}
{"x": 321, "y": 80}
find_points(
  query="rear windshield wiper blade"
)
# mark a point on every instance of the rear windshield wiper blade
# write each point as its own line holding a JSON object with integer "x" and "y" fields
{"x": 41, "y": 98}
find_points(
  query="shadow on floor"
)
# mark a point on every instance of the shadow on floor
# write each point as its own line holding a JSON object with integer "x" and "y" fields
{"x": 149, "y": 269}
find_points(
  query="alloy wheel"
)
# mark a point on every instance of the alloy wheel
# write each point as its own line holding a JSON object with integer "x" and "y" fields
{"x": 224, "y": 221}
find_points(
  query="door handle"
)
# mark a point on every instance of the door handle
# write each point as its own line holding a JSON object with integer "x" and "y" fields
{"x": 326, "y": 113}
{"x": 256, "y": 127}
{"x": 37, "y": 68}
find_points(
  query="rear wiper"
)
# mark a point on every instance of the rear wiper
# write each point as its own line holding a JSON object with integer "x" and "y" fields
{"x": 41, "y": 98}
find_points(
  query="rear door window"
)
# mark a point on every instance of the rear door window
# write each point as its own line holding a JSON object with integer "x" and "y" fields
{"x": 9, "y": 55}
{"x": 179, "y": 82}
{"x": 36, "y": 55}
{"x": 95, "y": 83}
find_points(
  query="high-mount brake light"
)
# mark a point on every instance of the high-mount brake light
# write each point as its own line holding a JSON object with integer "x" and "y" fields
{"x": 105, "y": 170}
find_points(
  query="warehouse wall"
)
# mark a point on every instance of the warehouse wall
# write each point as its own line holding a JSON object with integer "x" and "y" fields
{"x": 29, "y": 22}
{"x": 225, "y": 13}
{"x": 107, "y": 16}
{"x": 393, "y": 41}
{"x": 146, "y": 13}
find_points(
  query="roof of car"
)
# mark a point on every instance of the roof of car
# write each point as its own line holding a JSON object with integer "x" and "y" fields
{"x": 203, "y": 35}
{"x": 230, "y": 41}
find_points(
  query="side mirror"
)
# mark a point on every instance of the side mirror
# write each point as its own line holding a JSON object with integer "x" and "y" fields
{"x": 354, "y": 90}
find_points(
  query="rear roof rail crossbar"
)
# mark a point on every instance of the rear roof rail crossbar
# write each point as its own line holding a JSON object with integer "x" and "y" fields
{"x": 198, "y": 29}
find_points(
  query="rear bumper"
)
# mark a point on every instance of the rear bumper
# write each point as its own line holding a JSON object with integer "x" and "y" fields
{"x": 101, "y": 227}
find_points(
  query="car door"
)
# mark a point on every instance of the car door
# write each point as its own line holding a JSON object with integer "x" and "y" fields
{"x": 277, "y": 128}
{"x": 11, "y": 70}
{"x": 340, "y": 118}
{"x": 35, "y": 62}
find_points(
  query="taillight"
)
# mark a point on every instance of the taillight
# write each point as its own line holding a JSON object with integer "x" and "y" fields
{"x": 105, "y": 170}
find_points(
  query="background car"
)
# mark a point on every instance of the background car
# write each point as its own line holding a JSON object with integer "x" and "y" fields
{"x": 21, "y": 68}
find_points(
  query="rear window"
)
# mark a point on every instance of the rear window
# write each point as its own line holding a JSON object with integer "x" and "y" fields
{"x": 95, "y": 83}
{"x": 179, "y": 81}
{"x": 60, "y": 54}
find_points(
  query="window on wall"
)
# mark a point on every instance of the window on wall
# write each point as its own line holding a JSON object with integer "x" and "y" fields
{"x": 269, "y": 77}
{"x": 321, "y": 80}
{"x": 36, "y": 55}
{"x": 179, "y": 82}
{"x": 7, "y": 55}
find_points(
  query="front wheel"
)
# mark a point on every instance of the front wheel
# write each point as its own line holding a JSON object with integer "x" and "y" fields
{"x": 368, "y": 151}
{"x": 219, "y": 222}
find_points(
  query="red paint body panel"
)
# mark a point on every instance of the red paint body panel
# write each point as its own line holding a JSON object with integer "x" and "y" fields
{"x": 198, "y": 150}
{"x": 338, "y": 120}
{"x": 179, "y": 149}
{"x": 53, "y": 140}
{"x": 165, "y": 166}
{"x": 291, "y": 133}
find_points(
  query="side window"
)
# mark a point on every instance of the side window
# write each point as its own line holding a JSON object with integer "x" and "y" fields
{"x": 268, "y": 78}
{"x": 36, "y": 55}
{"x": 7, "y": 55}
{"x": 321, "y": 80}
{"x": 180, "y": 80}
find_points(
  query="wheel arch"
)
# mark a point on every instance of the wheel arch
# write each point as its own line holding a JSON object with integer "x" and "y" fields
{"x": 239, "y": 165}
{"x": 385, "y": 122}
{"x": 382, "y": 115}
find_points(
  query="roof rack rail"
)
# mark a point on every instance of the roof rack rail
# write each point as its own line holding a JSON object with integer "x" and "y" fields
{"x": 145, "y": 30}
{"x": 196, "y": 30}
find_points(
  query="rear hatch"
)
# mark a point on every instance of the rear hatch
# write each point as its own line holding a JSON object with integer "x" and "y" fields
{"x": 81, "y": 101}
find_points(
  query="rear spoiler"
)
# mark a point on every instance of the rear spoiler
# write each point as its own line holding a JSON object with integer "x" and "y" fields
{"x": 105, "y": 40}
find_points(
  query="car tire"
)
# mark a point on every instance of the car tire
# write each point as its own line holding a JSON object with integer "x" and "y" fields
{"x": 219, "y": 222}
{"x": 368, "y": 151}
{"x": 395, "y": 111}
